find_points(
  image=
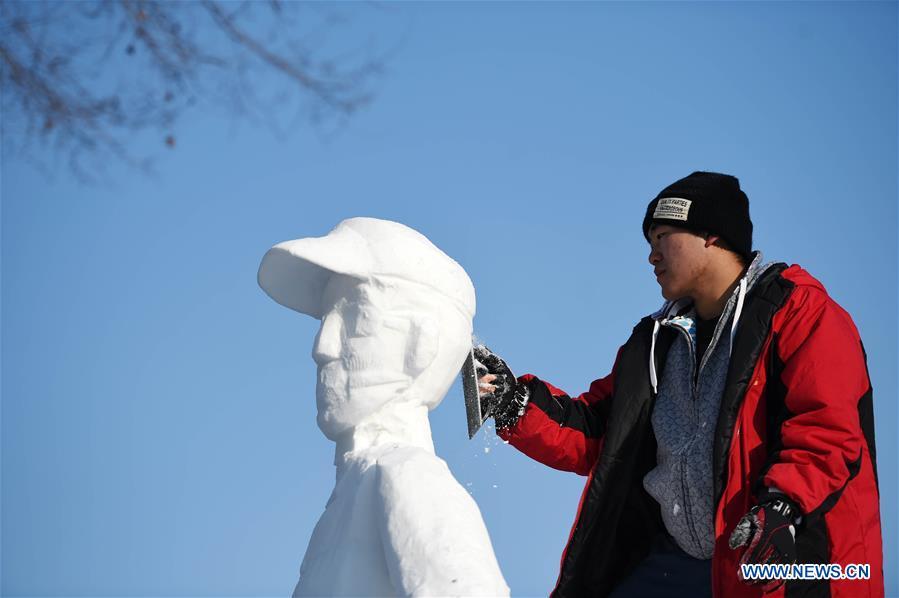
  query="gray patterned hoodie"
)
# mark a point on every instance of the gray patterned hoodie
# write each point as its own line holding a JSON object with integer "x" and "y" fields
{"x": 685, "y": 415}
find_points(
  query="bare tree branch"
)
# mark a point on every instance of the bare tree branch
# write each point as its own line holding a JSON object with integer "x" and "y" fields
{"x": 339, "y": 93}
{"x": 89, "y": 77}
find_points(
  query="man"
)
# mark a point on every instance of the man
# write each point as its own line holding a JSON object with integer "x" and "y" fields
{"x": 736, "y": 427}
{"x": 396, "y": 319}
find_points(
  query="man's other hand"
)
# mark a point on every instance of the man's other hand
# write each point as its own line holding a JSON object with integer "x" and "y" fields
{"x": 769, "y": 535}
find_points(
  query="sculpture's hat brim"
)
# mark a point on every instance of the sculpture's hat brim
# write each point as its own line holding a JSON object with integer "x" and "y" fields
{"x": 294, "y": 273}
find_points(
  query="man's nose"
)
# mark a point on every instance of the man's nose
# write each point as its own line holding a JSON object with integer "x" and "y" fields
{"x": 327, "y": 342}
{"x": 654, "y": 256}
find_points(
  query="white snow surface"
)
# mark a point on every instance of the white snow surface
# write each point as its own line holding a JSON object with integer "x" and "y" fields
{"x": 396, "y": 317}
{"x": 400, "y": 525}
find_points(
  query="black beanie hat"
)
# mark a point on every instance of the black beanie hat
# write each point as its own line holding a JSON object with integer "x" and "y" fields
{"x": 705, "y": 201}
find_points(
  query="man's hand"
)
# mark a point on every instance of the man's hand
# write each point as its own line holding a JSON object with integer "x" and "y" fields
{"x": 768, "y": 533}
{"x": 498, "y": 387}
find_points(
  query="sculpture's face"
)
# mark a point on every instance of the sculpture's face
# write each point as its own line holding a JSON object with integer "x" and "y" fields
{"x": 369, "y": 350}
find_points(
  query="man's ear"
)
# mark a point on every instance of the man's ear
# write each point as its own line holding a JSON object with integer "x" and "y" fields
{"x": 424, "y": 342}
{"x": 711, "y": 240}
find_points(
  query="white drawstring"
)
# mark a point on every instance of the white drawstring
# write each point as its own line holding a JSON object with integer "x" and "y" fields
{"x": 653, "y": 380}
{"x": 653, "y": 376}
{"x": 737, "y": 312}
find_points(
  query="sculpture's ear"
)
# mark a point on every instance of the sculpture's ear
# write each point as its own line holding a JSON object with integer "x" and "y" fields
{"x": 423, "y": 345}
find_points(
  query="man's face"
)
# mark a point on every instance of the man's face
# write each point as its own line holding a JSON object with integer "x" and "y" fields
{"x": 679, "y": 260}
{"x": 362, "y": 352}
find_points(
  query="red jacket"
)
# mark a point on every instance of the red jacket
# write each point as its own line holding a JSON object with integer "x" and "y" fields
{"x": 796, "y": 414}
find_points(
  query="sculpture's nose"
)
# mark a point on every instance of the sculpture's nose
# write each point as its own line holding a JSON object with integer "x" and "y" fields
{"x": 328, "y": 342}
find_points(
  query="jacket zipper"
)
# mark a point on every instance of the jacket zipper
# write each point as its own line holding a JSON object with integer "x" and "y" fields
{"x": 693, "y": 372}
{"x": 688, "y": 514}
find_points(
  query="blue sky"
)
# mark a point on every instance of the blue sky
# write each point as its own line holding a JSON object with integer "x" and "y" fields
{"x": 158, "y": 417}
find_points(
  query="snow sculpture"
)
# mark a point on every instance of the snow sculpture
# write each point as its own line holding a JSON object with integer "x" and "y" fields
{"x": 396, "y": 320}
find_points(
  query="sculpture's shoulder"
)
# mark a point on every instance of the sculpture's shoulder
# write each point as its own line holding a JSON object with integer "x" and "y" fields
{"x": 411, "y": 474}
{"x": 407, "y": 475}
{"x": 440, "y": 544}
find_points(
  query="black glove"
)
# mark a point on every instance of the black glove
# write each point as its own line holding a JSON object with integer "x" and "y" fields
{"x": 508, "y": 401}
{"x": 768, "y": 531}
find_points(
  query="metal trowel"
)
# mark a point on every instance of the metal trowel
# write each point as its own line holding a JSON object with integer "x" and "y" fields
{"x": 477, "y": 411}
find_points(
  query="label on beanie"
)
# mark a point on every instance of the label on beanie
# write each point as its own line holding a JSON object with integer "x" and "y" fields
{"x": 672, "y": 208}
